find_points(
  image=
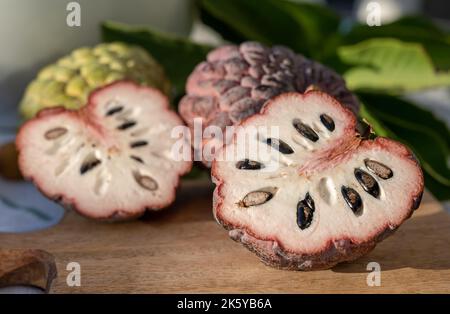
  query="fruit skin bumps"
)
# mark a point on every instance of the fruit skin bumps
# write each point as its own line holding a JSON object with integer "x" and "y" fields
{"x": 236, "y": 81}
{"x": 69, "y": 81}
{"x": 317, "y": 193}
{"x": 109, "y": 160}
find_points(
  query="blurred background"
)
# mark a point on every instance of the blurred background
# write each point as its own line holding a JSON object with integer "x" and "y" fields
{"x": 35, "y": 33}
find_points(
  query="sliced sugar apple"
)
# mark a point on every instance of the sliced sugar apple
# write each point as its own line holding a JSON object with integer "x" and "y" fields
{"x": 315, "y": 193}
{"x": 111, "y": 159}
{"x": 236, "y": 81}
{"x": 69, "y": 81}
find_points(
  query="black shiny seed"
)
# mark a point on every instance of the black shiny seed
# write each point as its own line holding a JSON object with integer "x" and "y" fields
{"x": 248, "y": 164}
{"x": 138, "y": 144}
{"x": 327, "y": 121}
{"x": 89, "y": 165}
{"x": 368, "y": 183}
{"x": 305, "y": 130}
{"x": 353, "y": 199}
{"x": 114, "y": 110}
{"x": 305, "y": 212}
{"x": 279, "y": 145}
{"x": 381, "y": 170}
{"x": 126, "y": 125}
{"x": 136, "y": 158}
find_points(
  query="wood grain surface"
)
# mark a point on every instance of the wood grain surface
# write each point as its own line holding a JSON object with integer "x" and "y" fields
{"x": 182, "y": 249}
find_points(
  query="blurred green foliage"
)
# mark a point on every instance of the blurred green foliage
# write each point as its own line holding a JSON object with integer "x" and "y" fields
{"x": 380, "y": 64}
{"x": 390, "y": 65}
{"x": 408, "y": 29}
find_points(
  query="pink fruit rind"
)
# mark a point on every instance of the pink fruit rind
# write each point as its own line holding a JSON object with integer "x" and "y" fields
{"x": 85, "y": 115}
{"x": 270, "y": 248}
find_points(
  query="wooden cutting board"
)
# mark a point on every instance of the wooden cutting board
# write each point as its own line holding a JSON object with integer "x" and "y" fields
{"x": 183, "y": 249}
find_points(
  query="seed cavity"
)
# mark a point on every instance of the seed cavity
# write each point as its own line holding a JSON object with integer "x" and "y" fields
{"x": 136, "y": 158}
{"x": 55, "y": 133}
{"x": 125, "y": 115}
{"x": 279, "y": 145}
{"x": 258, "y": 197}
{"x": 248, "y": 164}
{"x": 62, "y": 145}
{"x": 302, "y": 142}
{"x": 368, "y": 183}
{"x": 89, "y": 163}
{"x": 353, "y": 200}
{"x": 62, "y": 166}
{"x": 114, "y": 110}
{"x": 126, "y": 125}
{"x": 305, "y": 130}
{"x": 327, "y": 121}
{"x": 145, "y": 181}
{"x": 381, "y": 170}
{"x": 140, "y": 132}
{"x": 305, "y": 212}
{"x": 320, "y": 130}
{"x": 138, "y": 144}
{"x": 327, "y": 190}
{"x": 102, "y": 182}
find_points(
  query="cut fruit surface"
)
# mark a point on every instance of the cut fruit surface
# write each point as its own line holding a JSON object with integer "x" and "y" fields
{"x": 109, "y": 160}
{"x": 328, "y": 196}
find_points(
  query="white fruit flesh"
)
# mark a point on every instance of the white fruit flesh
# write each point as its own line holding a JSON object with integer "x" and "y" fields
{"x": 320, "y": 168}
{"x": 130, "y": 144}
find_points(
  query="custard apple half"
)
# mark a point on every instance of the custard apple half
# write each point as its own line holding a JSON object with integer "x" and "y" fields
{"x": 112, "y": 159}
{"x": 316, "y": 193}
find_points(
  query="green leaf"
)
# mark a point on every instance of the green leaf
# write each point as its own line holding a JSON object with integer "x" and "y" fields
{"x": 178, "y": 56}
{"x": 418, "y": 25}
{"x": 407, "y": 111}
{"x": 414, "y": 29}
{"x": 441, "y": 192}
{"x": 429, "y": 146}
{"x": 321, "y": 26}
{"x": 390, "y": 65}
{"x": 300, "y": 26}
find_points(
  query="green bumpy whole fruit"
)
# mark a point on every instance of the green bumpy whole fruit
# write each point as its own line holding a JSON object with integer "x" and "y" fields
{"x": 70, "y": 80}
